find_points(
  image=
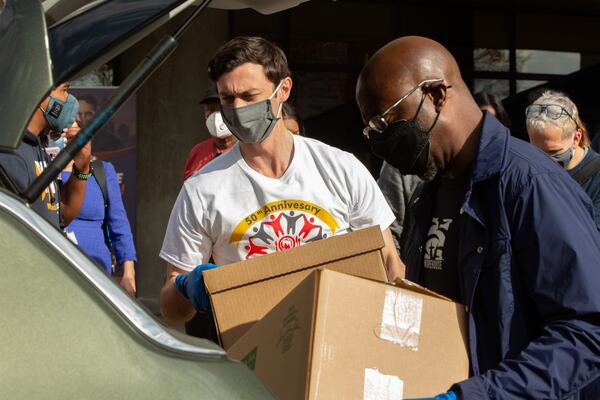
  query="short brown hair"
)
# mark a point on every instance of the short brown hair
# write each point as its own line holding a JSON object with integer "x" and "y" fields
{"x": 249, "y": 49}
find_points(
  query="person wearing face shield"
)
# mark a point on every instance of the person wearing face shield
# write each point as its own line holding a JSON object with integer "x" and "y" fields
{"x": 554, "y": 126}
{"x": 221, "y": 140}
{"x": 272, "y": 191}
{"x": 61, "y": 201}
{"x": 497, "y": 226}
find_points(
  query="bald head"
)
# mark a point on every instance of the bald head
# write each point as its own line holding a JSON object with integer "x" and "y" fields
{"x": 444, "y": 109}
{"x": 402, "y": 64}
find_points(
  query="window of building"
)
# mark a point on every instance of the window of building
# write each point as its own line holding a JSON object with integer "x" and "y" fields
{"x": 492, "y": 69}
{"x": 547, "y": 62}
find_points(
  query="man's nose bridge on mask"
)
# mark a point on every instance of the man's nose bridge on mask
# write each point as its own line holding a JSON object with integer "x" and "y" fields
{"x": 238, "y": 101}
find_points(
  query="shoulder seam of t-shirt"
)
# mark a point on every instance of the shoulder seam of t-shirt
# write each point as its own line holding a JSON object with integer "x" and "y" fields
{"x": 323, "y": 145}
{"x": 200, "y": 200}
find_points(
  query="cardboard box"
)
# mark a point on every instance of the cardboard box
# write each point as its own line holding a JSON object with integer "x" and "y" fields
{"x": 337, "y": 336}
{"x": 243, "y": 292}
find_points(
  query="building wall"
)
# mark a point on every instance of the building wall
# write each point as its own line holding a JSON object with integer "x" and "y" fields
{"x": 170, "y": 123}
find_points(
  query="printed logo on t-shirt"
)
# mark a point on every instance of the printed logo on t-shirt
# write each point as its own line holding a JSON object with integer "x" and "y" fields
{"x": 282, "y": 225}
{"x": 436, "y": 240}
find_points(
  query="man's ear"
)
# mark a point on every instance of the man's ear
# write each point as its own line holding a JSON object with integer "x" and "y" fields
{"x": 437, "y": 91}
{"x": 285, "y": 89}
{"x": 577, "y": 136}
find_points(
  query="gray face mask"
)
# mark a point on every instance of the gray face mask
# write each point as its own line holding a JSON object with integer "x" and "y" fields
{"x": 252, "y": 123}
{"x": 563, "y": 158}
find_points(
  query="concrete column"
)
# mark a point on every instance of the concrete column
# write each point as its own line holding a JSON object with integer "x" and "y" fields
{"x": 170, "y": 123}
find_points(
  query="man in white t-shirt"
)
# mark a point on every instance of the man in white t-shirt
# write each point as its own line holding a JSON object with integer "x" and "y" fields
{"x": 271, "y": 192}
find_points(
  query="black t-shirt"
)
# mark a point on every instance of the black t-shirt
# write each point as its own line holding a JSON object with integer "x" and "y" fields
{"x": 23, "y": 166}
{"x": 440, "y": 251}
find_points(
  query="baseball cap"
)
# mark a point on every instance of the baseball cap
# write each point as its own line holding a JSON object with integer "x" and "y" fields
{"x": 210, "y": 94}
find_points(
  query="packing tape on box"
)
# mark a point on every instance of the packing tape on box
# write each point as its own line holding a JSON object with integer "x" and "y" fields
{"x": 401, "y": 318}
{"x": 382, "y": 387}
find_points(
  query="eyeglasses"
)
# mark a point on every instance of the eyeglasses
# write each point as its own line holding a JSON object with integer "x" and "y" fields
{"x": 552, "y": 111}
{"x": 378, "y": 123}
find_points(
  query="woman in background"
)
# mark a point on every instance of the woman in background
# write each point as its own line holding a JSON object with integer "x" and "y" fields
{"x": 492, "y": 104}
{"x": 94, "y": 216}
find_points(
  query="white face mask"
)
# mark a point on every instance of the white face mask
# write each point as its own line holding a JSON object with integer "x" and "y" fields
{"x": 216, "y": 126}
{"x": 55, "y": 146}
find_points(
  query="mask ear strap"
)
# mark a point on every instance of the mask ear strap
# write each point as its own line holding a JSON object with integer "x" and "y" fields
{"x": 271, "y": 97}
{"x": 276, "y": 90}
{"x": 433, "y": 124}
{"x": 420, "y": 105}
{"x": 49, "y": 100}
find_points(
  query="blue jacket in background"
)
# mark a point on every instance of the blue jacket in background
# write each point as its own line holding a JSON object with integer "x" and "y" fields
{"x": 529, "y": 266}
{"x": 87, "y": 226}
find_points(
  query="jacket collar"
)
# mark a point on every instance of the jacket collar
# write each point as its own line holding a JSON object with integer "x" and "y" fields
{"x": 493, "y": 149}
{"x": 490, "y": 161}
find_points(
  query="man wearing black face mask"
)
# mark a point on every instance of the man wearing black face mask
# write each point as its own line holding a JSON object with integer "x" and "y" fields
{"x": 499, "y": 227}
{"x": 272, "y": 191}
{"x": 56, "y": 113}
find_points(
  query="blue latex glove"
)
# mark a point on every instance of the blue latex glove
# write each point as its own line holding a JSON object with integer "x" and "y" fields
{"x": 191, "y": 286}
{"x": 445, "y": 396}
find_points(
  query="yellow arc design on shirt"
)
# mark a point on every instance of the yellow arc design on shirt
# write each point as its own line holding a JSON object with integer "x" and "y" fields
{"x": 281, "y": 205}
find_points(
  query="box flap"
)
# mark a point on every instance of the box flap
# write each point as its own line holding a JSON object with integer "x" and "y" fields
{"x": 415, "y": 287}
{"x": 307, "y": 256}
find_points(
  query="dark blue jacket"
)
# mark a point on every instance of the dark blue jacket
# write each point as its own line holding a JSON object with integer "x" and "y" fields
{"x": 591, "y": 185}
{"x": 529, "y": 265}
{"x": 24, "y": 166}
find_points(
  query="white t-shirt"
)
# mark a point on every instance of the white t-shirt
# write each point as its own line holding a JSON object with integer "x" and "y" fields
{"x": 231, "y": 212}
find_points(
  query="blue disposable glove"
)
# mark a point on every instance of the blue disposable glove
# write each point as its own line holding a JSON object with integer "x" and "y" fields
{"x": 191, "y": 286}
{"x": 445, "y": 396}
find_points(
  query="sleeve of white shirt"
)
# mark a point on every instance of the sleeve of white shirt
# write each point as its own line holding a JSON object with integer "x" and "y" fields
{"x": 369, "y": 206}
{"x": 186, "y": 243}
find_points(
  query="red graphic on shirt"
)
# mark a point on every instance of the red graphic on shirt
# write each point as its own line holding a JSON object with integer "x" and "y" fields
{"x": 282, "y": 231}
{"x": 308, "y": 227}
{"x": 254, "y": 249}
{"x": 275, "y": 224}
{"x": 287, "y": 242}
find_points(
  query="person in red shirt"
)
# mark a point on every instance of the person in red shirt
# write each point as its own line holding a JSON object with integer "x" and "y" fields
{"x": 220, "y": 141}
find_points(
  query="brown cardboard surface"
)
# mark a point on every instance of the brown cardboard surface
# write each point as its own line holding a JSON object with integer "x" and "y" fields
{"x": 344, "y": 341}
{"x": 281, "y": 263}
{"x": 243, "y": 292}
{"x": 280, "y": 353}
